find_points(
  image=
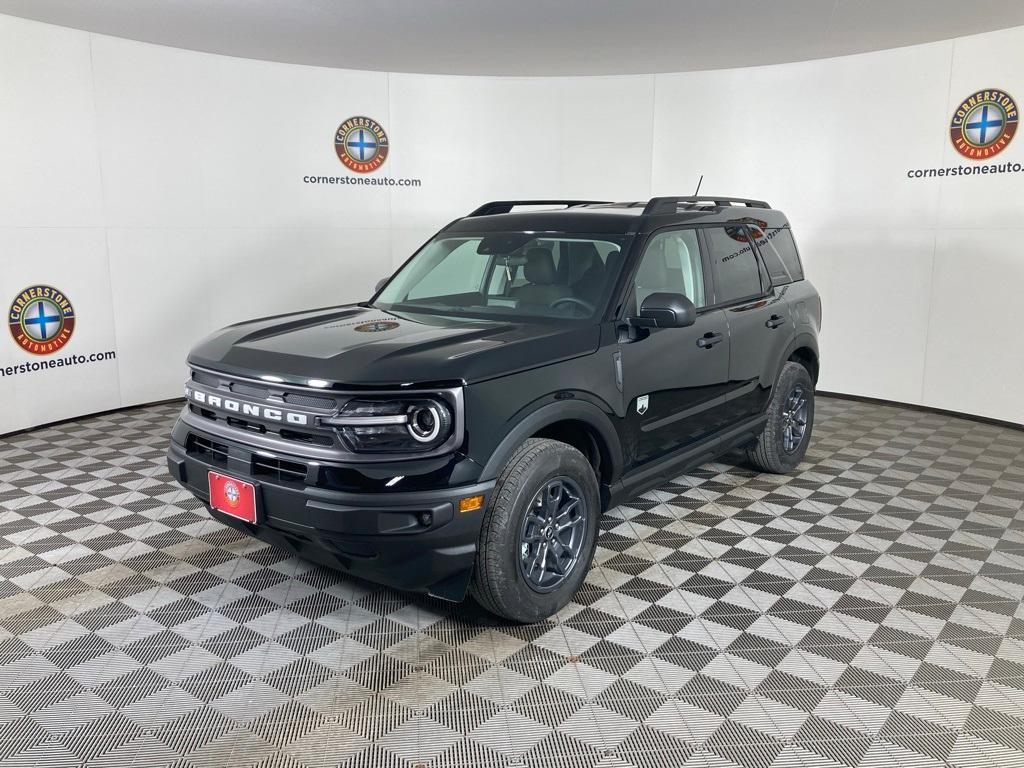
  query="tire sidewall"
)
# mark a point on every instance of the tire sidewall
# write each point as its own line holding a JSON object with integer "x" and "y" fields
{"x": 793, "y": 374}
{"x": 519, "y": 598}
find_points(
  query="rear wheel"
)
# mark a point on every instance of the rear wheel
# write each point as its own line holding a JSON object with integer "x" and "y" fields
{"x": 539, "y": 532}
{"x": 783, "y": 442}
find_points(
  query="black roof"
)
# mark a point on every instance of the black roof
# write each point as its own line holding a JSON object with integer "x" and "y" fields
{"x": 605, "y": 218}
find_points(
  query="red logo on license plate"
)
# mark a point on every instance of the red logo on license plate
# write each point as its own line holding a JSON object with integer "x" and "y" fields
{"x": 233, "y": 497}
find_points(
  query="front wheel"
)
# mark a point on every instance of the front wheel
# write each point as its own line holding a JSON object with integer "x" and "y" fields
{"x": 783, "y": 442}
{"x": 539, "y": 532}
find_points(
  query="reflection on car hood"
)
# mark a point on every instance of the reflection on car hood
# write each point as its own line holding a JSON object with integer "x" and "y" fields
{"x": 365, "y": 346}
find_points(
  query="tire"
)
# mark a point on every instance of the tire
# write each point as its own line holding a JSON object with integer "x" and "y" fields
{"x": 502, "y": 582}
{"x": 774, "y": 450}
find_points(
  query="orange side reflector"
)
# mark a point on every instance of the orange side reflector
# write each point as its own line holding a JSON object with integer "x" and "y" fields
{"x": 471, "y": 503}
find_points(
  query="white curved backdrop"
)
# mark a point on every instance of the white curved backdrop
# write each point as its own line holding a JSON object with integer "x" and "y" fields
{"x": 163, "y": 191}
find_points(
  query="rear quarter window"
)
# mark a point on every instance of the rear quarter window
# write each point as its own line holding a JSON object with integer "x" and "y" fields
{"x": 738, "y": 273}
{"x": 778, "y": 251}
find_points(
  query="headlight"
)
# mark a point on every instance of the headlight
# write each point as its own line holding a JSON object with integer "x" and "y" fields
{"x": 394, "y": 426}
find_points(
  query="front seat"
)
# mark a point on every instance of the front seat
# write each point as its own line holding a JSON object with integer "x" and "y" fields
{"x": 540, "y": 274}
{"x": 588, "y": 270}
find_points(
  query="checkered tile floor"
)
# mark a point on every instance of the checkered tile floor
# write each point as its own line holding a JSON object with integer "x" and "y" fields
{"x": 863, "y": 612}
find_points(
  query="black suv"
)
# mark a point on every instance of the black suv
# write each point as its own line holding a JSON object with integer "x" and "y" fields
{"x": 533, "y": 364}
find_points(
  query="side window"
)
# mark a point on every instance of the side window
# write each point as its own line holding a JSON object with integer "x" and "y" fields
{"x": 461, "y": 271}
{"x": 671, "y": 264}
{"x": 737, "y": 269}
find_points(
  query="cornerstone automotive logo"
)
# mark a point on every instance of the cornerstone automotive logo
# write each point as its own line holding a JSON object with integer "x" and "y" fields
{"x": 361, "y": 144}
{"x": 739, "y": 233}
{"x": 41, "y": 319}
{"x": 376, "y": 326}
{"x": 231, "y": 493}
{"x": 984, "y": 124}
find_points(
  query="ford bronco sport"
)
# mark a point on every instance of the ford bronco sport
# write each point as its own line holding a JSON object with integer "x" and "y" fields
{"x": 523, "y": 371}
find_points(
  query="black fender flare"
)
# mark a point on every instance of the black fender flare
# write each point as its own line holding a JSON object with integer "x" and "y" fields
{"x": 560, "y": 410}
{"x": 803, "y": 339}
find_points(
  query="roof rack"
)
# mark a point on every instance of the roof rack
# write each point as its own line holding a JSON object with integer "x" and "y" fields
{"x": 504, "y": 206}
{"x": 665, "y": 205}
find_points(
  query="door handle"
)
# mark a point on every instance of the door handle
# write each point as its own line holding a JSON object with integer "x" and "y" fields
{"x": 709, "y": 339}
{"x": 774, "y": 321}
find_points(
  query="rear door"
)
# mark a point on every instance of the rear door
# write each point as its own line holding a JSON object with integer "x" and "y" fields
{"x": 758, "y": 317}
{"x": 673, "y": 379}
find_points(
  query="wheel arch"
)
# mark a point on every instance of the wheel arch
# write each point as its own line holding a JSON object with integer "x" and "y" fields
{"x": 804, "y": 350}
{"x": 578, "y": 423}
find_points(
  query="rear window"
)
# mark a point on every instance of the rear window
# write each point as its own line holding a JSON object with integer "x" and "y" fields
{"x": 778, "y": 250}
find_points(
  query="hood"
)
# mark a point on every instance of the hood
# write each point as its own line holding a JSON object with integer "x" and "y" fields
{"x": 363, "y": 346}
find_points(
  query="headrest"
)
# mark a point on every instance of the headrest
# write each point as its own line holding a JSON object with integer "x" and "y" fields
{"x": 540, "y": 266}
{"x": 584, "y": 257}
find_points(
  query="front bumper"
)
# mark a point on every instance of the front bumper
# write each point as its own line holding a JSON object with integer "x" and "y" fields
{"x": 411, "y": 540}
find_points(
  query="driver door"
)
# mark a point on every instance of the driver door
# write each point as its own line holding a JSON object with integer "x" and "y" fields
{"x": 673, "y": 379}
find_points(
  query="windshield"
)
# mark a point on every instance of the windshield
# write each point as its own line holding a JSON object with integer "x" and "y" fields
{"x": 522, "y": 274}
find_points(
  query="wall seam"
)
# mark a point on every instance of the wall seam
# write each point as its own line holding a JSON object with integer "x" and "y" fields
{"x": 654, "y": 117}
{"x": 935, "y": 243}
{"x": 828, "y": 29}
{"x": 391, "y": 192}
{"x": 103, "y": 208}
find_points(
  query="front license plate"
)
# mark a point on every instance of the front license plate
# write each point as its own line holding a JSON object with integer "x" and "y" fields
{"x": 233, "y": 497}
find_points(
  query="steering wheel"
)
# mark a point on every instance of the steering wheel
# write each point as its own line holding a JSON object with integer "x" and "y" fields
{"x": 586, "y": 305}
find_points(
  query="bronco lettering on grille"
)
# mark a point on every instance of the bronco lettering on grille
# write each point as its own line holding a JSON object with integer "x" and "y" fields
{"x": 246, "y": 409}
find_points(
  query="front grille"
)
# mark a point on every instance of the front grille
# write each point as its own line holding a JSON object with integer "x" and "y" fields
{"x": 251, "y": 426}
{"x": 206, "y": 378}
{"x": 209, "y": 451}
{"x": 278, "y": 469}
{"x": 309, "y": 401}
{"x": 263, "y": 392}
{"x": 309, "y": 438}
{"x": 249, "y": 390}
{"x": 325, "y": 439}
{"x": 204, "y": 412}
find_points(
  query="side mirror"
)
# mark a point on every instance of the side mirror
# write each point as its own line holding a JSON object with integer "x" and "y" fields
{"x": 380, "y": 284}
{"x": 666, "y": 310}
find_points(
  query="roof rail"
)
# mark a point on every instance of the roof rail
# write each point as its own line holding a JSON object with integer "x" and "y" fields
{"x": 665, "y": 205}
{"x": 504, "y": 206}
